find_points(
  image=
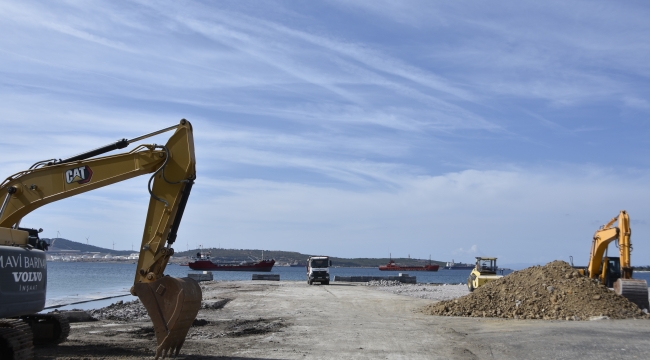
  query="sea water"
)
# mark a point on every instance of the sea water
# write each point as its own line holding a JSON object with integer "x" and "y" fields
{"x": 77, "y": 282}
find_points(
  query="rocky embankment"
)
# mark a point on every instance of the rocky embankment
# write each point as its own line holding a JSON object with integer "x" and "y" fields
{"x": 135, "y": 311}
{"x": 124, "y": 311}
{"x": 421, "y": 291}
{"x": 552, "y": 291}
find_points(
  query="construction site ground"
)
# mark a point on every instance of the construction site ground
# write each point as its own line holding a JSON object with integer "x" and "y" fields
{"x": 292, "y": 320}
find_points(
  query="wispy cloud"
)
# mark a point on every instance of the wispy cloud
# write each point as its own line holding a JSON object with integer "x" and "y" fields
{"x": 416, "y": 123}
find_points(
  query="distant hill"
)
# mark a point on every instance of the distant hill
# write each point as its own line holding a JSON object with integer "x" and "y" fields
{"x": 64, "y": 244}
{"x": 61, "y": 244}
{"x": 292, "y": 256}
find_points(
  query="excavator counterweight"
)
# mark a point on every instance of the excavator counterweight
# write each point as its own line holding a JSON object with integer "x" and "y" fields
{"x": 172, "y": 303}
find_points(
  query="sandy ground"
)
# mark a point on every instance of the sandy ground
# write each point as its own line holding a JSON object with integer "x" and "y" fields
{"x": 292, "y": 320}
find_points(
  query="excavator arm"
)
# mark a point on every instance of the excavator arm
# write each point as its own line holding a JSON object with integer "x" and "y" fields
{"x": 171, "y": 303}
{"x": 633, "y": 289}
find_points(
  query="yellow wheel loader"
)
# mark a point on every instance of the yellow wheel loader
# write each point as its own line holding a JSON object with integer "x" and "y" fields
{"x": 172, "y": 303}
{"x": 484, "y": 272}
{"x": 616, "y": 272}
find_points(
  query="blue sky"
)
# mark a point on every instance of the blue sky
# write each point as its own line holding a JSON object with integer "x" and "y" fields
{"x": 350, "y": 128}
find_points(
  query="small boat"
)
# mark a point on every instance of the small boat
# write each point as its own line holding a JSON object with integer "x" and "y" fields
{"x": 393, "y": 266}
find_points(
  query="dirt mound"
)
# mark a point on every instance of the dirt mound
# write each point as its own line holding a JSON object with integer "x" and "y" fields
{"x": 125, "y": 311}
{"x": 552, "y": 291}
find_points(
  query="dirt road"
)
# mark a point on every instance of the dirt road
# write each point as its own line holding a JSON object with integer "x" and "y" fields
{"x": 291, "y": 320}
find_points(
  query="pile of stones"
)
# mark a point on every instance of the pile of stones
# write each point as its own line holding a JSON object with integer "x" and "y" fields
{"x": 552, "y": 291}
{"x": 124, "y": 311}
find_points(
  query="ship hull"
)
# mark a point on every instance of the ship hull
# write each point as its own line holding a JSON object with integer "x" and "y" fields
{"x": 409, "y": 268}
{"x": 262, "y": 266}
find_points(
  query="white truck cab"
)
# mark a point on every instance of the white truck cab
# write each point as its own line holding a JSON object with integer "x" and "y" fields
{"x": 318, "y": 269}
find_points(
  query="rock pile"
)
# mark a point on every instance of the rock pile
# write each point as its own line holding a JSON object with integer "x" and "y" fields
{"x": 125, "y": 311}
{"x": 552, "y": 291}
{"x": 383, "y": 283}
{"x": 421, "y": 291}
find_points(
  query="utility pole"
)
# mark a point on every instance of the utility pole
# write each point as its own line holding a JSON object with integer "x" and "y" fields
{"x": 57, "y": 236}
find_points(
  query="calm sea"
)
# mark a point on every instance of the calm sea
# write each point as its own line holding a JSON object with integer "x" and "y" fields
{"x": 74, "y": 282}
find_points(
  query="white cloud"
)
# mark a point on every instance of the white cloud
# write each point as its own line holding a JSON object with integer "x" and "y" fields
{"x": 446, "y": 127}
{"x": 529, "y": 214}
{"x": 467, "y": 253}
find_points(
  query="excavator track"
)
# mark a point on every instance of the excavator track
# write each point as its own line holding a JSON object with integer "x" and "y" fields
{"x": 15, "y": 340}
{"x": 48, "y": 329}
{"x": 635, "y": 290}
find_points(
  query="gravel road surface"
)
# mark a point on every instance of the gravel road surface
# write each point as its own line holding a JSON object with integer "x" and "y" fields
{"x": 292, "y": 320}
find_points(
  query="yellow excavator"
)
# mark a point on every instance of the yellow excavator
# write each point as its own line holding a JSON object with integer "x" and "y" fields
{"x": 616, "y": 272}
{"x": 172, "y": 303}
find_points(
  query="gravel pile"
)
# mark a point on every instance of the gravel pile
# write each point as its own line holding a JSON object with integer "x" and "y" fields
{"x": 421, "y": 291}
{"x": 552, "y": 291}
{"x": 124, "y": 311}
{"x": 383, "y": 283}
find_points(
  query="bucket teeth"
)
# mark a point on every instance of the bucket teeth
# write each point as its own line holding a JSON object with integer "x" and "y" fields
{"x": 172, "y": 304}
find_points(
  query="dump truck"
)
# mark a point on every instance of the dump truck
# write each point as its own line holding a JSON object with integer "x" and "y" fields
{"x": 318, "y": 269}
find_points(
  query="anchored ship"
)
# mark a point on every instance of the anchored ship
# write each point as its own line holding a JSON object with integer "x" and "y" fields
{"x": 204, "y": 262}
{"x": 393, "y": 266}
{"x": 458, "y": 266}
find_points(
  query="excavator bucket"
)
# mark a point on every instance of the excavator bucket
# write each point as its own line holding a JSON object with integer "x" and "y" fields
{"x": 172, "y": 304}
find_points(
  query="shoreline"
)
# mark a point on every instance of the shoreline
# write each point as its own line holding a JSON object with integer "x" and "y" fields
{"x": 83, "y": 298}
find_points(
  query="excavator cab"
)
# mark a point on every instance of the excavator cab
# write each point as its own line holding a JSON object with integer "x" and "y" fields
{"x": 611, "y": 271}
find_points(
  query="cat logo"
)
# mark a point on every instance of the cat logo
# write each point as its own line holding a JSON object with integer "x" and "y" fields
{"x": 80, "y": 175}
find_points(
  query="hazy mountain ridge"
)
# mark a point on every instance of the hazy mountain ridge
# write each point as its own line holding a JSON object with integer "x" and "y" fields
{"x": 61, "y": 244}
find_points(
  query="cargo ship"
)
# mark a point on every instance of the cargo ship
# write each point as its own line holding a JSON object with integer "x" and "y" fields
{"x": 393, "y": 266}
{"x": 458, "y": 266}
{"x": 207, "y": 264}
{"x": 204, "y": 262}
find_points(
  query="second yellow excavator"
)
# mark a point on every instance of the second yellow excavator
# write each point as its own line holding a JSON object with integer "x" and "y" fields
{"x": 612, "y": 271}
{"x": 172, "y": 303}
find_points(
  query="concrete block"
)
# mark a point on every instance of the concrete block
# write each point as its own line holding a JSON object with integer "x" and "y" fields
{"x": 214, "y": 304}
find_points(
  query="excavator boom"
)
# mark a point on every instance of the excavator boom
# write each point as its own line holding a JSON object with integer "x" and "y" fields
{"x": 172, "y": 303}
{"x": 616, "y": 272}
